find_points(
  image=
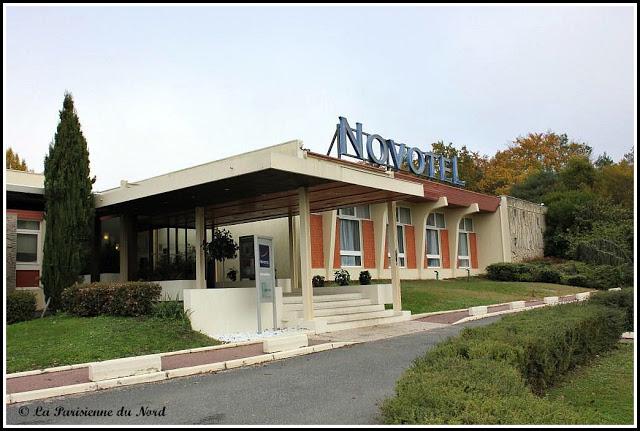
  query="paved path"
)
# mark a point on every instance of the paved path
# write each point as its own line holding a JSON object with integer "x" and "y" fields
{"x": 341, "y": 386}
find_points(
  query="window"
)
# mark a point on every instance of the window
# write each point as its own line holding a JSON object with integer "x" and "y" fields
{"x": 465, "y": 226}
{"x": 435, "y": 222}
{"x": 350, "y": 234}
{"x": 403, "y": 217}
{"x": 27, "y": 233}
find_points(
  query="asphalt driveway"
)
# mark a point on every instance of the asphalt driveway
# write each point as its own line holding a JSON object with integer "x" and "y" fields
{"x": 342, "y": 386}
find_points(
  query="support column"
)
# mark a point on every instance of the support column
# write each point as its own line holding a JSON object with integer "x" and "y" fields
{"x": 293, "y": 265}
{"x": 392, "y": 233}
{"x": 95, "y": 249}
{"x": 305, "y": 253}
{"x": 200, "y": 238}
{"x": 123, "y": 248}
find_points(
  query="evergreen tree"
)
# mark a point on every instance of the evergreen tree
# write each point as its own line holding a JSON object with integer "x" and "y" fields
{"x": 69, "y": 206}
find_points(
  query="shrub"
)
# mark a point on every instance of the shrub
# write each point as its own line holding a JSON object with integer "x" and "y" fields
{"x": 576, "y": 280}
{"x": 365, "y": 277}
{"x": 507, "y": 271}
{"x": 317, "y": 281}
{"x": 606, "y": 276}
{"x": 546, "y": 275}
{"x": 21, "y": 305}
{"x": 171, "y": 309}
{"x": 622, "y": 299}
{"x": 478, "y": 391}
{"x": 115, "y": 299}
{"x": 342, "y": 277}
{"x": 489, "y": 375}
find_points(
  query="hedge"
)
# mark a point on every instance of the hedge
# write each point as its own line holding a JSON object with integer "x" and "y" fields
{"x": 490, "y": 375}
{"x": 571, "y": 273}
{"x": 111, "y": 298}
{"x": 622, "y": 299}
{"x": 455, "y": 391}
{"x": 21, "y": 306}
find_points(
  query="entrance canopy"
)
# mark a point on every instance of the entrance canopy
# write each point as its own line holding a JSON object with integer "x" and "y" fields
{"x": 259, "y": 185}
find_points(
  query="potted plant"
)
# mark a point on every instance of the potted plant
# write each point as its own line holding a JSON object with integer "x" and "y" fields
{"x": 317, "y": 281}
{"x": 221, "y": 247}
{"x": 342, "y": 277}
{"x": 232, "y": 274}
{"x": 365, "y": 277}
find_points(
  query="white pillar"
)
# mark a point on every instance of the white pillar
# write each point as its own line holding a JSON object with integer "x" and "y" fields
{"x": 305, "y": 254}
{"x": 392, "y": 238}
{"x": 293, "y": 265}
{"x": 200, "y": 238}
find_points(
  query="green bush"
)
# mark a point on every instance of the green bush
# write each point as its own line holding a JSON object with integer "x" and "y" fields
{"x": 171, "y": 309}
{"x": 545, "y": 275}
{"x": 365, "y": 277}
{"x": 507, "y": 271}
{"x": 342, "y": 277}
{"x": 572, "y": 273}
{"x": 115, "y": 299}
{"x": 21, "y": 306}
{"x": 456, "y": 391}
{"x": 575, "y": 280}
{"x": 317, "y": 281}
{"x": 489, "y": 375}
{"x": 622, "y": 299}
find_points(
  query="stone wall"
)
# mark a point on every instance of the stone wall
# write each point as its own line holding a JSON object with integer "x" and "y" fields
{"x": 526, "y": 229}
{"x": 12, "y": 221}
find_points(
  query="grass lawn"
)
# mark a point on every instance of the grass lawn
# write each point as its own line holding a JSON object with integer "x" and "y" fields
{"x": 424, "y": 296}
{"x": 602, "y": 391}
{"x": 64, "y": 340}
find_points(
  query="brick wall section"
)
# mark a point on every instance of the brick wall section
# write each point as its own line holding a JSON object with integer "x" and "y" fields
{"x": 473, "y": 250}
{"x": 368, "y": 244}
{"x": 444, "y": 248}
{"x": 317, "y": 253}
{"x": 10, "y": 244}
{"x": 336, "y": 250}
{"x": 410, "y": 246}
{"x": 27, "y": 278}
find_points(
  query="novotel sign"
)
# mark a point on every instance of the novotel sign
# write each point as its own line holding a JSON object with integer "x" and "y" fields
{"x": 388, "y": 153}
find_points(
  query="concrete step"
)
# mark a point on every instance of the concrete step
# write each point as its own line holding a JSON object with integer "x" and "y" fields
{"x": 289, "y": 314}
{"x": 323, "y": 312}
{"x": 329, "y": 304}
{"x": 357, "y": 316}
{"x": 340, "y": 326}
{"x": 323, "y": 298}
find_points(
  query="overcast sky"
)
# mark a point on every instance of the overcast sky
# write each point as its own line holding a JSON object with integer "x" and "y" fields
{"x": 162, "y": 88}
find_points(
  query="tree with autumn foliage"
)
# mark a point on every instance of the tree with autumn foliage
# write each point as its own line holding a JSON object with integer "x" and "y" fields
{"x": 471, "y": 164}
{"x": 13, "y": 161}
{"x": 528, "y": 155}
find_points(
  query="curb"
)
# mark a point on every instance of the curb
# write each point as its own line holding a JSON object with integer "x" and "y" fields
{"x": 38, "y": 394}
{"x": 433, "y": 313}
{"x": 87, "y": 364}
{"x": 497, "y": 313}
{"x": 517, "y": 310}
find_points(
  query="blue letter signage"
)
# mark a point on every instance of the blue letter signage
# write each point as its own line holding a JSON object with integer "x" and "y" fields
{"x": 386, "y": 152}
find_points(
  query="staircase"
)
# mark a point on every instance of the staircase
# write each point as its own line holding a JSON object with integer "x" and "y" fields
{"x": 340, "y": 311}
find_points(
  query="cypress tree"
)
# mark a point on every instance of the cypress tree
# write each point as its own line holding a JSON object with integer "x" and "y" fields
{"x": 69, "y": 206}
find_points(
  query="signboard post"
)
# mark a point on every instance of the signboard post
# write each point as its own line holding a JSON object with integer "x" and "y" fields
{"x": 265, "y": 276}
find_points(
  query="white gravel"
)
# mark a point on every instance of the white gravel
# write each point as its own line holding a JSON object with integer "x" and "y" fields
{"x": 249, "y": 336}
